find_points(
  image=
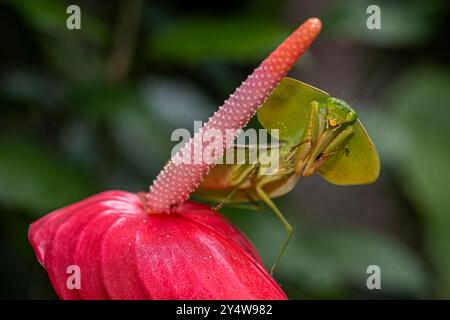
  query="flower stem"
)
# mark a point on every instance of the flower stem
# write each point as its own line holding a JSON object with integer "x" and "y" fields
{"x": 180, "y": 178}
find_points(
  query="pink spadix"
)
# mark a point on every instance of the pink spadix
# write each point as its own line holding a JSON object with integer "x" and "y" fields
{"x": 180, "y": 178}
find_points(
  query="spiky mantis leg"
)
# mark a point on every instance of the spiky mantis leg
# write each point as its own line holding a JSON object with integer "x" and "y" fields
{"x": 336, "y": 145}
{"x": 314, "y": 130}
{"x": 266, "y": 199}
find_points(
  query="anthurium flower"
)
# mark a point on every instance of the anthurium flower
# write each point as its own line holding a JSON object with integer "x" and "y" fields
{"x": 123, "y": 252}
{"x": 156, "y": 245}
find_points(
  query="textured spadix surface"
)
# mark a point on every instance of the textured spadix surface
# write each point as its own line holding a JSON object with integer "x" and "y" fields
{"x": 178, "y": 179}
{"x": 125, "y": 253}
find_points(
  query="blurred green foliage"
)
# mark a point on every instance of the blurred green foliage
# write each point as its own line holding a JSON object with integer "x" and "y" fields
{"x": 93, "y": 109}
{"x": 197, "y": 39}
{"x": 419, "y": 120}
{"x": 49, "y": 180}
{"x": 403, "y": 25}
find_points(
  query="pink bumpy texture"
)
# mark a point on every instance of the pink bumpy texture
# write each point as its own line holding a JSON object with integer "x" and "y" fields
{"x": 179, "y": 179}
{"x": 125, "y": 253}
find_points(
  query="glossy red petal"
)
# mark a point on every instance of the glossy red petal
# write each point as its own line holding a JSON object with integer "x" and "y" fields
{"x": 203, "y": 214}
{"x": 126, "y": 253}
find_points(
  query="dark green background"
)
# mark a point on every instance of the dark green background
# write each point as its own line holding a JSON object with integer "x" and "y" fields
{"x": 91, "y": 110}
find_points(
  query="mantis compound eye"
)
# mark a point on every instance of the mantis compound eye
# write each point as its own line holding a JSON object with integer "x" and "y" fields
{"x": 352, "y": 116}
{"x": 333, "y": 123}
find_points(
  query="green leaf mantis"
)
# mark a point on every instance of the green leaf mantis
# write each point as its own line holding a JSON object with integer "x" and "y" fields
{"x": 317, "y": 133}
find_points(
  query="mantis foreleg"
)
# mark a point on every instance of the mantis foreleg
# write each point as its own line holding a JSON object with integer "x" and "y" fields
{"x": 312, "y": 133}
{"x": 332, "y": 148}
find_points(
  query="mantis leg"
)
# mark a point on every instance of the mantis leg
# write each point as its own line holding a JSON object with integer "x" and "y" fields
{"x": 249, "y": 206}
{"x": 252, "y": 205}
{"x": 334, "y": 147}
{"x": 312, "y": 133}
{"x": 266, "y": 199}
{"x": 255, "y": 203}
{"x": 239, "y": 182}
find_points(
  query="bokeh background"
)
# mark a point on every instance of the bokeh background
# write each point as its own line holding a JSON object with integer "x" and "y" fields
{"x": 89, "y": 110}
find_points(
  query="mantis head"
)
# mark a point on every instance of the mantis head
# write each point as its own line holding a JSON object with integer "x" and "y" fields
{"x": 340, "y": 113}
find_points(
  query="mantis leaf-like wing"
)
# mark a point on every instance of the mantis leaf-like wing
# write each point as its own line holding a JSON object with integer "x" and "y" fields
{"x": 358, "y": 163}
{"x": 288, "y": 109}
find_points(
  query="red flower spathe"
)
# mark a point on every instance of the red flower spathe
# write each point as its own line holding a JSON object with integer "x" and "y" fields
{"x": 123, "y": 252}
